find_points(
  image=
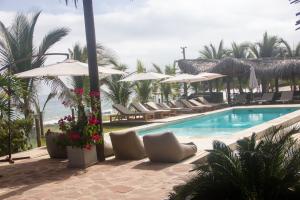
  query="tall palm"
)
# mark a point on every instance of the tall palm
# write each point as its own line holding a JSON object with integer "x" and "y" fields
{"x": 92, "y": 60}
{"x": 143, "y": 88}
{"x": 8, "y": 85}
{"x": 239, "y": 51}
{"x": 213, "y": 52}
{"x": 268, "y": 47}
{"x": 165, "y": 88}
{"x": 17, "y": 44}
{"x": 258, "y": 169}
{"x": 289, "y": 52}
{"x": 118, "y": 92}
{"x": 79, "y": 53}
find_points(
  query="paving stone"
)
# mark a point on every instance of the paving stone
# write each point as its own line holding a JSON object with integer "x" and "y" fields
{"x": 45, "y": 179}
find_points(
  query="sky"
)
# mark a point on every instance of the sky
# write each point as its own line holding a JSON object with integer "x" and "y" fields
{"x": 154, "y": 30}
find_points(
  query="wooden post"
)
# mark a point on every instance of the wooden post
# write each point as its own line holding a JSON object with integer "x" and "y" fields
{"x": 37, "y": 130}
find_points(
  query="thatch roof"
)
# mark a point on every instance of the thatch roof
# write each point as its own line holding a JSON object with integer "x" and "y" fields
{"x": 265, "y": 68}
{"x": 196, "y": 66}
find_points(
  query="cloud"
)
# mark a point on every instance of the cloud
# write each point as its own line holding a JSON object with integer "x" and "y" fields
{"x": 153, "y": 30}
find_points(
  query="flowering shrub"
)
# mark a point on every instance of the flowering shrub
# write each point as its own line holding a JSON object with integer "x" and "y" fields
{"x": 85, "y": 131}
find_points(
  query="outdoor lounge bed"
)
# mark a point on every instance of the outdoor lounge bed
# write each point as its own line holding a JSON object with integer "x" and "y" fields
{"x": 205, "y": 102}
{"x": 166, "y": 148}
{"x": 127, "y": 146}
{"x": 286, "y": 96}
{"x": 125, "y": 113}
{"x": 187, "y": 104}
{"x": 176, "y": 110}
{"x": 266, "y": 98}
{"x": 141, "y": 108}
{"x": 178, "y": 104}
{"x": 199, "y": 104}
{"x": 155, "y": 107}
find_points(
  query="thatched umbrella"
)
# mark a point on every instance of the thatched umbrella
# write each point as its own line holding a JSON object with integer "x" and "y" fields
{"x": 232, "y": 67}
{"x": 266, "y": 69}
{"x": 197, "y": 66}
{"x": 288, "y": 70}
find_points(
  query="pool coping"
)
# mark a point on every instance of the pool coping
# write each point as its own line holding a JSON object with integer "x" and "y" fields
{"x": 285, "y": 120}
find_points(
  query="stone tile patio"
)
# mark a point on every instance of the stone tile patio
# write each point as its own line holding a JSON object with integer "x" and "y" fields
{"x": 42, "y": 178}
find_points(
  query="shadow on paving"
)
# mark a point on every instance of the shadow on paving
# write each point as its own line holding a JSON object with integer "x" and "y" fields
{"x": 138, "y": 164}
{"x": 20, "y": 177}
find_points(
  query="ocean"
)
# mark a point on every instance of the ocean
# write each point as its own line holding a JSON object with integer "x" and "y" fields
{"x": 55, "y": 109}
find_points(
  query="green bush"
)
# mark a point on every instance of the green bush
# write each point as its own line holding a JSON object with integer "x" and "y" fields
{"x": 266, "y": 169}
{"x": 20, "y": 129}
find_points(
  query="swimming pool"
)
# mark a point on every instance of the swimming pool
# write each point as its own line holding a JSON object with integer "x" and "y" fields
{"x": 220, "y": 123}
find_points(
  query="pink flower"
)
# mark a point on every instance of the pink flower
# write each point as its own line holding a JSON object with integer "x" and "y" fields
{"x": 88, "y": 147}
{"x": 78, "y": 91}
{"x": 74, "y": 135}
{"x": 94, "y": 94}
{"x": 93, "y": 120}
{"x": 96, "y": 137}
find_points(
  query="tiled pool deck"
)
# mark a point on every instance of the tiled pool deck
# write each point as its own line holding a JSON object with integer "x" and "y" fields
{"x": 42, "y": 178}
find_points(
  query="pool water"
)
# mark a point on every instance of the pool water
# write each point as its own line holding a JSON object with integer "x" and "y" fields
{"x": 221, "y": 123}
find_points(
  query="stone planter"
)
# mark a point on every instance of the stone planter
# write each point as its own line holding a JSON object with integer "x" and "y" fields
{"x": 55, "y": 150}
{"x": 81, "y": 158}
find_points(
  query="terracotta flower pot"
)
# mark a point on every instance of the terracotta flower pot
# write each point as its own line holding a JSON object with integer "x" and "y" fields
{"x": 81, "y": 157}
{"x": 55, "y": 150}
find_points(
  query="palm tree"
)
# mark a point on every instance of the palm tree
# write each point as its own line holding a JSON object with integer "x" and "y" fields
{"x": 239, "y": 51}
{"x": 17, "y": 44}
{"x": 118, "y": 92}
{"x": 143, "y": 88}
{"x": 258, "y": 169}
{"x": 211, "y": 52}
{"x": 166, "y": 88}
{"x": 289, "y": 52}
{"x": 268, "y": 47}
{"x": 92, "y": 62}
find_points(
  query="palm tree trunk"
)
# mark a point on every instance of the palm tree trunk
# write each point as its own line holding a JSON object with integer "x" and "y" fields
{"x": 210, "y": 87}
{"x": 240, "y": 85}
{"x": 185, "y": 89}
{"x": 294, "y": 82}
{"x": 228, "y": 89}
{"x": 276, "y": 85}
{"x": 263, "y": 86}
{"x": 93, "y": 67}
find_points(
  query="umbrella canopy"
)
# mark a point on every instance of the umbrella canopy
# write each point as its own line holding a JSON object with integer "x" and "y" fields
{"x": 189, "y": 78}
{"x": 145, "y": 76}
{"x": 252, "y": 80}
{"x": 68, "y": 67}
{"x": 181, "y": 78}
{"x": 205, "y": 76}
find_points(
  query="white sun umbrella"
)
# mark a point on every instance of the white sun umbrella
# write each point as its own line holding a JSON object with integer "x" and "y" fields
{"x": 68, "y": 67}
{"x": 180, "y": 78}
{"x": 145, "y": 76}
{"x": 252, "y": 80}
{"x": 205, "y": 76}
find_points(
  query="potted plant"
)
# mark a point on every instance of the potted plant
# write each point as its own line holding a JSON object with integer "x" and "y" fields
{"x": 54, "y": 145}
{"x": 82, "y": 133}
